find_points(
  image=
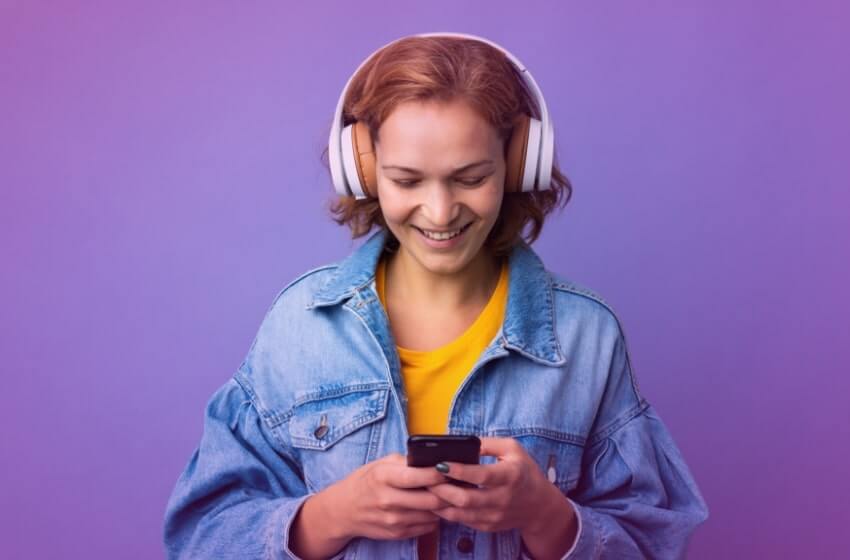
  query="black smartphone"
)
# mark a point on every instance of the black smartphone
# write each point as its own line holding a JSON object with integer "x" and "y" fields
{"x": 428, "y": 450}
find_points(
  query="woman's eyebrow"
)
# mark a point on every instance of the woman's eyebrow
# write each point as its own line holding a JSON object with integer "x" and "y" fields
{"x": 457, "y": 170}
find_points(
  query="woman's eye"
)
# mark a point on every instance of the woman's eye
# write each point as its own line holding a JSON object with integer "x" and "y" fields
{"x": 472, "y": 182}
{"x": 468, "y": 182}
{"x": 405, "y": 182}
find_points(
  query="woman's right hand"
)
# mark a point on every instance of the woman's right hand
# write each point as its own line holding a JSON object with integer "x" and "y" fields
{"x": 386, "y": 499}
{"x": 383, "y": 499}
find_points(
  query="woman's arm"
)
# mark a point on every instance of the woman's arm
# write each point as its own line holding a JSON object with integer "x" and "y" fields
{"x": 557, "y": 529}
{"x": 636, "y": 497}
{"x": 237, "y": 496}
{"x": 314, "y": 533}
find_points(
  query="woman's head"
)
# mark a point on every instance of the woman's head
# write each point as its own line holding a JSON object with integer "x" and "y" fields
{"x": 434, "y": 104}
{"x": 440, "y": 173}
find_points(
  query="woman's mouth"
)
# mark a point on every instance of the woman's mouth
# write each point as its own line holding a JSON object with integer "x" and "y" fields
{"x": 443, "y": 239}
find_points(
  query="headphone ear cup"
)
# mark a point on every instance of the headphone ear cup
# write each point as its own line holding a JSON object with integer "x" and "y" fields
{"x": 523, "y": 153}
{"x": 532, "y": 155}
{"x": 358, "y": 161}
{"x": 364, "y": 150}
{"x": 517, "y": 151}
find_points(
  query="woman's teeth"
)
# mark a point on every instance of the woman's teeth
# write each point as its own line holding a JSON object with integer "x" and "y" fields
{"x": 442, "y": 236}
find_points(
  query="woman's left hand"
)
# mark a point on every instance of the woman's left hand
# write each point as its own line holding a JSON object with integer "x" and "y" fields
{"x": 512, "y": 493}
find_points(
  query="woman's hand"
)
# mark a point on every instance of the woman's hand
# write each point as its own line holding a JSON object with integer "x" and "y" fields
{"x": 386, "y": 499}
{"x": 513, "y": 493}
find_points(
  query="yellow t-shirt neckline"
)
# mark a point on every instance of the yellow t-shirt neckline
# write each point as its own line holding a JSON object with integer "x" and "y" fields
{"x": 491, "y": 314}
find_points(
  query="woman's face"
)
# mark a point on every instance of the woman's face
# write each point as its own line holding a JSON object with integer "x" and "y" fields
{"x": 441, "y": 175}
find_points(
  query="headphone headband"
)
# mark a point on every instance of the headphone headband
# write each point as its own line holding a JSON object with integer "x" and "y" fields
{"x": 541, "y": 167}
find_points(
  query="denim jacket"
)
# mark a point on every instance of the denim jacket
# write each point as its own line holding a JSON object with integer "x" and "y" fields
{"x": 557, "y": 378}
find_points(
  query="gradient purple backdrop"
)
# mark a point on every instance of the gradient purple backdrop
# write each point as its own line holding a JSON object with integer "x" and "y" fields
{"x": 161, "y": 182}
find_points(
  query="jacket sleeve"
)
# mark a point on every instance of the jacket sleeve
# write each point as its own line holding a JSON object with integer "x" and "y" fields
{"x": 636, "y": 497}
{"x": 237, "y": 496}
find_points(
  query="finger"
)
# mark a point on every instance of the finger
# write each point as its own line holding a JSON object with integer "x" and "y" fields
{"x": 405, "y": 517}
{"x": 499, "y": 446}
{"x": 403, "y": 524}
{"x": 425, "y": 528}
{"x": 459, "y": 515}
{"x": 419, "y": 500}
{"x": 395, "y": 459}
{"x": 464, "y": 498}
{"x": 481, "y": 475}
{"x": 402, "y": 476}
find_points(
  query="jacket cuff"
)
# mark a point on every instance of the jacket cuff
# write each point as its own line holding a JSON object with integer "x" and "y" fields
{"x": 281, "y": 524}
{"x": 589, "y": 537}
{"x": 571, "y": 553}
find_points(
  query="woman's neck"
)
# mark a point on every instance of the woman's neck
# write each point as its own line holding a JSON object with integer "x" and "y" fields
{"x": 408, "y": 281}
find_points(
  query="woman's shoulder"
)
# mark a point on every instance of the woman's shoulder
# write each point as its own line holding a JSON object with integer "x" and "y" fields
{"x": 576, "y": 302}
{"x": 302, "y": 288}
{"x": 572, "y": 290}
{"x": 287, "y": 330}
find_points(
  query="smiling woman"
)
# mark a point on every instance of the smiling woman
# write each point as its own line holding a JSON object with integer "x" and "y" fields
{"x": 444, "y": 322}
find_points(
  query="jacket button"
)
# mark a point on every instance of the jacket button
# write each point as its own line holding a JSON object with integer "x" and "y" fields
{"x": 465, "y": 545}
{"x": 321, "y": 431}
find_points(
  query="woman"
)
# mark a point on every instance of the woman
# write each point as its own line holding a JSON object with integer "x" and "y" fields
{"x": 444, "y": 321}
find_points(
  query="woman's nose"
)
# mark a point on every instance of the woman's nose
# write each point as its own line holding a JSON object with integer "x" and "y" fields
{"x": 441, "y": 207}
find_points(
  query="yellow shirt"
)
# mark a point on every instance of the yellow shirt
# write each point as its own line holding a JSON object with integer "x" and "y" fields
{"x": 431, "y": 378}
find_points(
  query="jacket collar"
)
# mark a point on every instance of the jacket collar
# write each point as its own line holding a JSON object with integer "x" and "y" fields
{"x": 529, "y": 325}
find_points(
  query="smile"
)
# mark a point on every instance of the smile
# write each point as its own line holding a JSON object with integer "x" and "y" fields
{"x": 443, "y": 235}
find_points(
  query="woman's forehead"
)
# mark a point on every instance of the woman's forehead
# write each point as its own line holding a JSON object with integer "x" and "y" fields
{"x": 442, "y": 136}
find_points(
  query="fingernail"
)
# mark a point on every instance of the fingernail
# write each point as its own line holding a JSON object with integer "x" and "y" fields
{"x": 442, "y": 467}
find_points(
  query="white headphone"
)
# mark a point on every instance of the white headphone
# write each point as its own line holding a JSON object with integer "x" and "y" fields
{"x": 531, "y": 151}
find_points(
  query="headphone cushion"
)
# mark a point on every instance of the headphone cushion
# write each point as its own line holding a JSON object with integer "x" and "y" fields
{"x": 364, "y": 157}
{"x": 517, "y": 150}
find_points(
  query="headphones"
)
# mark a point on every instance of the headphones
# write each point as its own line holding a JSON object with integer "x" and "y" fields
{"x": 530, "y": 149}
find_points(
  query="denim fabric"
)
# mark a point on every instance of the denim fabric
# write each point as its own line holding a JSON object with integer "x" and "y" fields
{"x": 557, "y": 377}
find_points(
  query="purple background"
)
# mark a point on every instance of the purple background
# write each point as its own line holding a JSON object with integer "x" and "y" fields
{"x": 161, "y": 182}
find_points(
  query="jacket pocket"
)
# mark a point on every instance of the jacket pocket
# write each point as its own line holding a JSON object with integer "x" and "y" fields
{"x": 333, "y": 430}
{"x": 558, "y": 457}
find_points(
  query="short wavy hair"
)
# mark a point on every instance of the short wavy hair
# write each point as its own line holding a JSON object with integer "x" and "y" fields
{"x": 445, "y": 69}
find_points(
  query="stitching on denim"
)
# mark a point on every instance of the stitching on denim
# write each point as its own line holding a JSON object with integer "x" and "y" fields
{"x": 533, "y": 357}
{"x": 375, "y": 439}
{"x": 322, "y": 394}
{"x": 550, "y": 303}
{"x": 346, "y": 294}
{"x": 557, "y": 435}
{"x": 619, "y": 422}
{"x": 271, "y": 418}
{"x": 275, "y": 418}
{"x": 586, "y": 292}
{"x": 601, "y": 540}
{"x": 550, "y": 293}
{"x": 632, "y": 376}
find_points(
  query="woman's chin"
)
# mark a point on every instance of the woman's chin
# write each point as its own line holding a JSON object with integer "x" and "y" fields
{"x": 440, "y": 262}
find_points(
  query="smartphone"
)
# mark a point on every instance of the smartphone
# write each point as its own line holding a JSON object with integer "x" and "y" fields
{"x": 428, "y": 450}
